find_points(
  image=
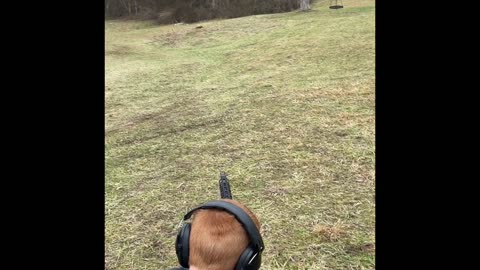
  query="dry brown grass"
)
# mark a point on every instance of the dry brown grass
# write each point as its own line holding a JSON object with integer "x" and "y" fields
{"x": 330, "y": 232}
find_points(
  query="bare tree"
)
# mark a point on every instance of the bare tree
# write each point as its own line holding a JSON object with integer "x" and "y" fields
{"x": 304, "y": 5}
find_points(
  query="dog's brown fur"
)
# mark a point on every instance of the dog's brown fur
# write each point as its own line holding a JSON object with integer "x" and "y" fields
{"x": 217, "y": 239}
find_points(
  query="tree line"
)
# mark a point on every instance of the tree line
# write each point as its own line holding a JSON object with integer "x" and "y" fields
{"x": 173, "y": 11}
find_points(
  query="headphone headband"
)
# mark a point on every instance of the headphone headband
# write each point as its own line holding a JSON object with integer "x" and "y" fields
{"x": 240, "y": 215}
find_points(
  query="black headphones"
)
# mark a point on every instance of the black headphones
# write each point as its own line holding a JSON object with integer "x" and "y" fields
{"x": 250, "y": 259}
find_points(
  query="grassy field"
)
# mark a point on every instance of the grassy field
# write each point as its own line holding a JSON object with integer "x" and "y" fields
{"x": 284, "y": 103}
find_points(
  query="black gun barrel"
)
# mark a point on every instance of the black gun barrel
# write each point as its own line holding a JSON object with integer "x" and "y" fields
{"x": 225, "y": 192}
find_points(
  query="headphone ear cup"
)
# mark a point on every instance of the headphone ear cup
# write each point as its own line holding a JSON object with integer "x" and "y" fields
{"x": 182, "y": 245}
{"x": 249, "y": 260}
